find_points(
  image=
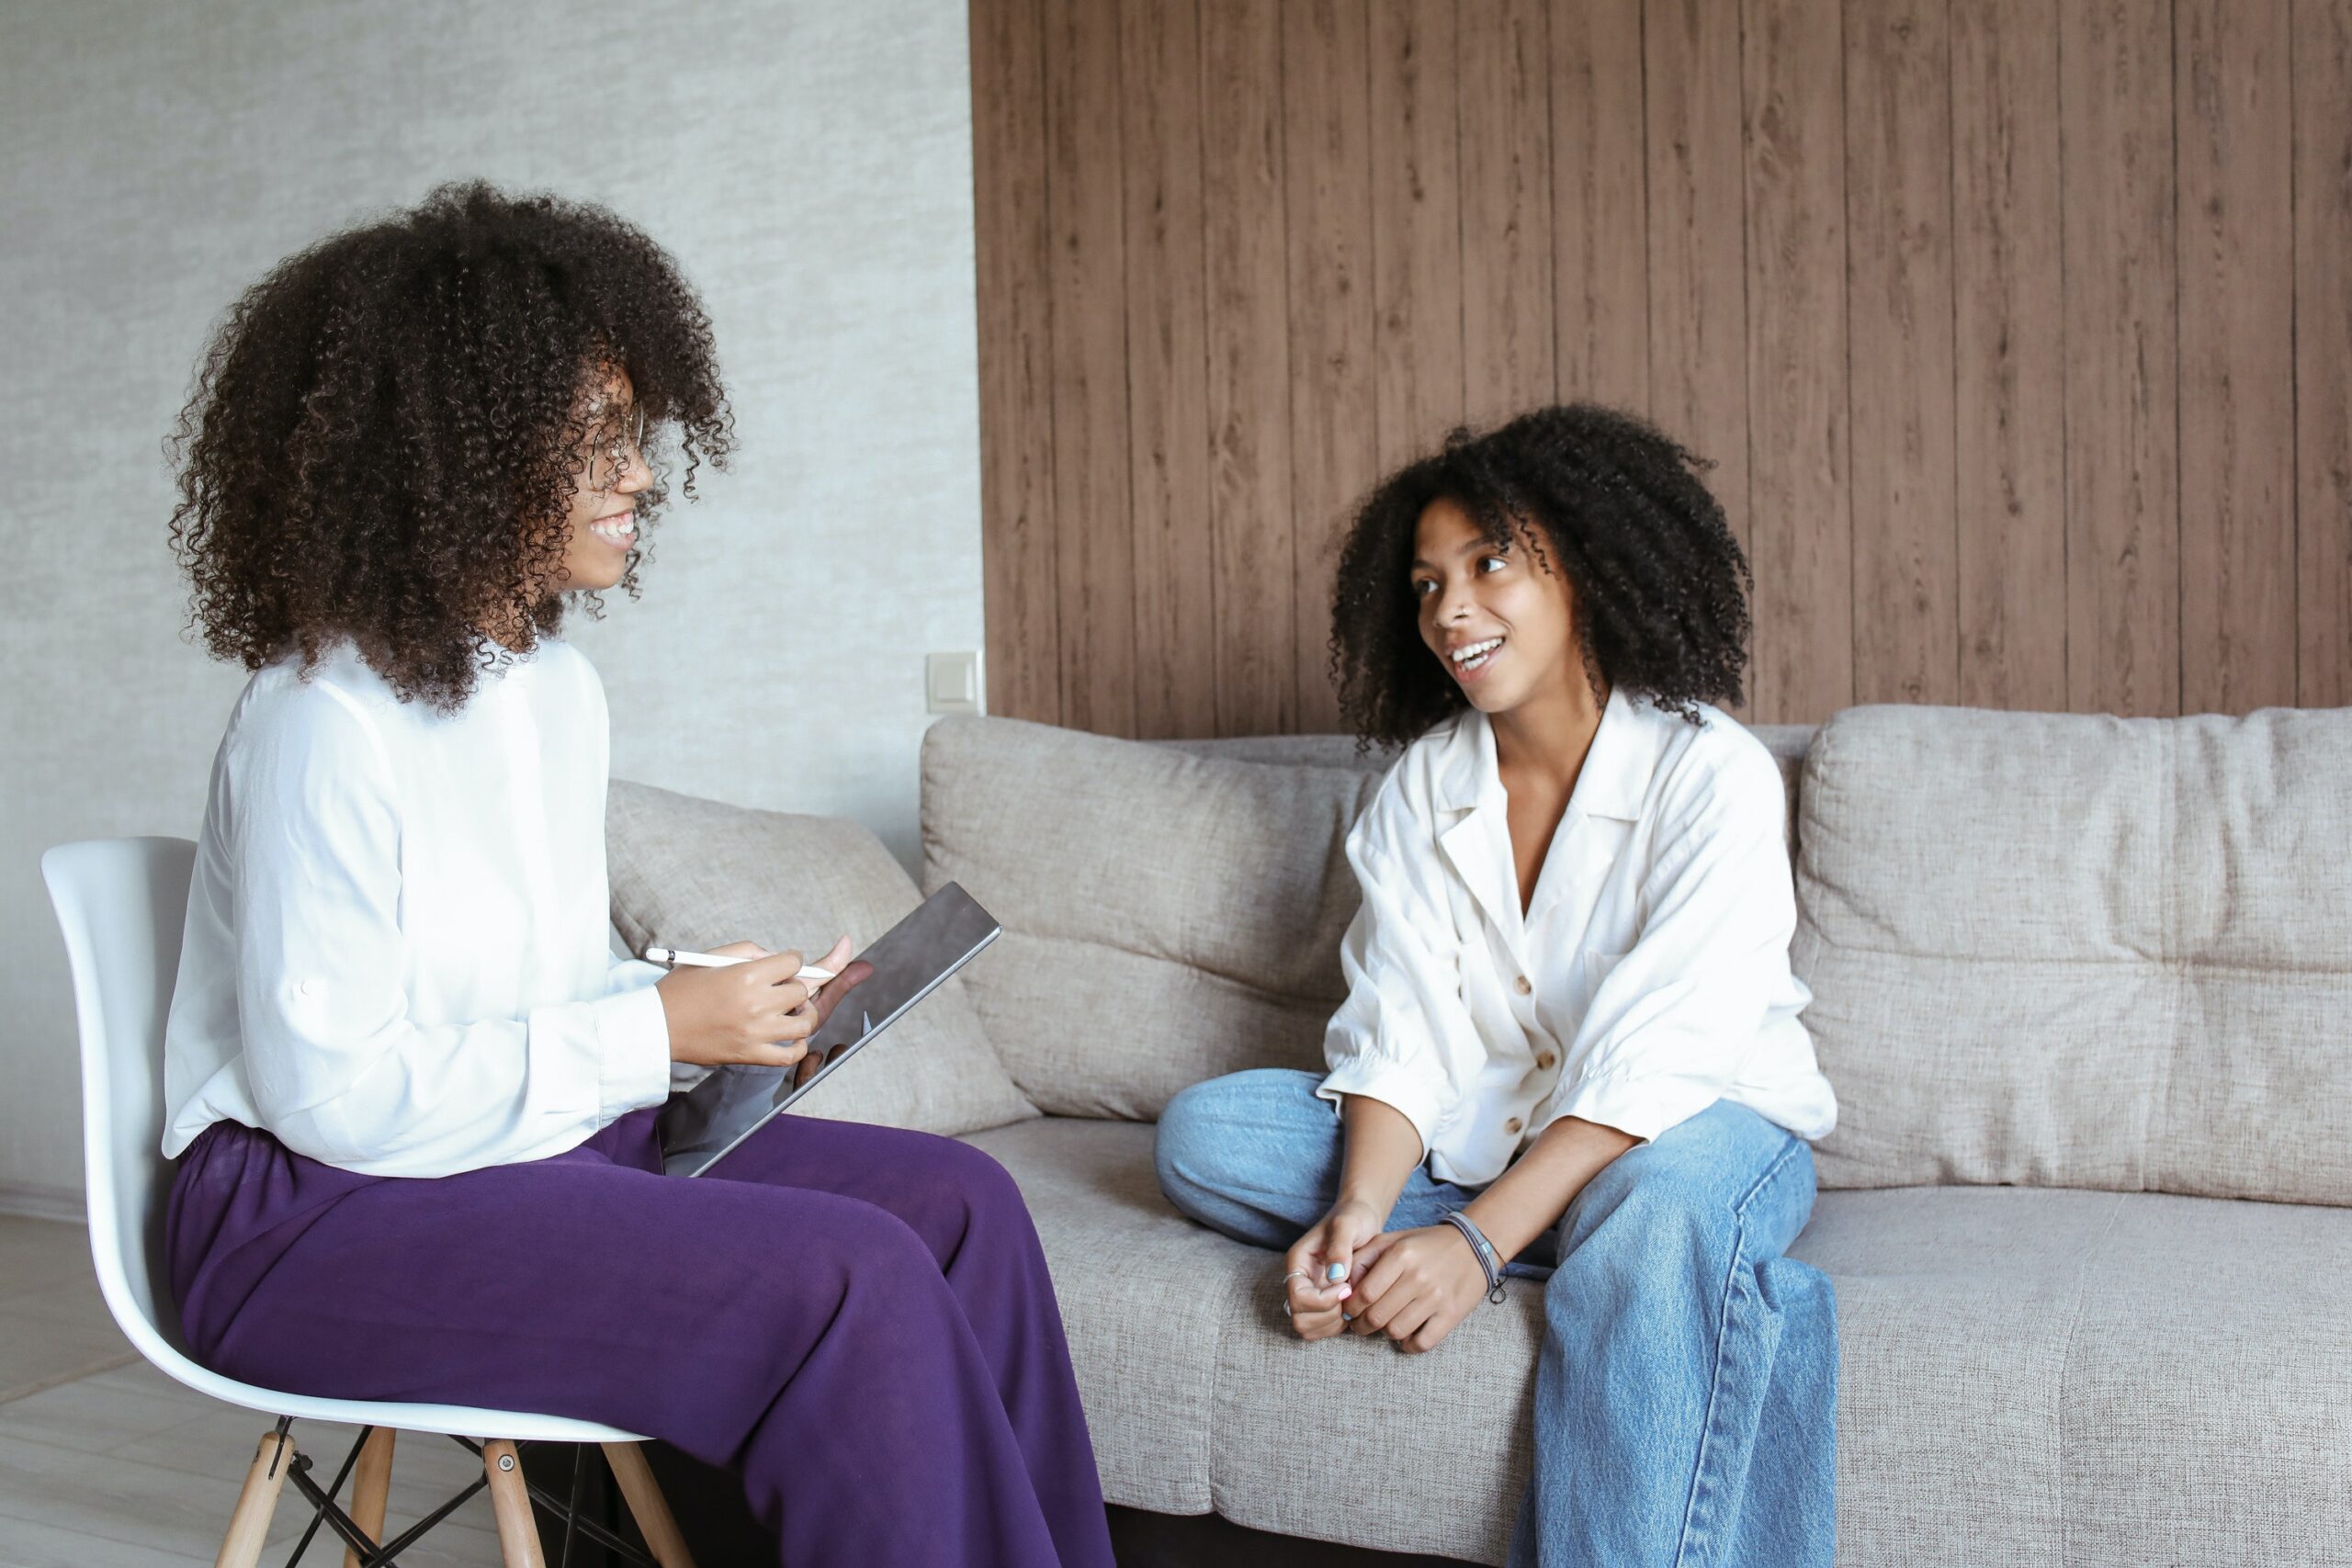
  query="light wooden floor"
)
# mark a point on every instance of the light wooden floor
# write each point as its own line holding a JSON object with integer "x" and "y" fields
{"x": 105, "y": 1462}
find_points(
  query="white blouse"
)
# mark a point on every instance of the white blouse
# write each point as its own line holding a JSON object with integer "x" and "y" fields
{"x": 397, "y": 956}
{"x": 1648, "y": 977}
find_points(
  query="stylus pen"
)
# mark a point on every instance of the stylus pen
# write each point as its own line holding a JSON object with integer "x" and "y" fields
{"x": 672, "y": 957}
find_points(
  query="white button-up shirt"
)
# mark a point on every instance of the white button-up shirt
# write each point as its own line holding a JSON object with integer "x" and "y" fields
{"x": 397, "y": 956}
{"x": 1647, "y": 978}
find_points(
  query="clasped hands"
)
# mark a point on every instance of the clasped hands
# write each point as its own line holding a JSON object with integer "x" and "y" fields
{"x": 1413, "y": 1286}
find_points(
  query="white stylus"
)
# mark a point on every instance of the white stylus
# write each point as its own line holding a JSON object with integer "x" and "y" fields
{"x": 672, "y": 957}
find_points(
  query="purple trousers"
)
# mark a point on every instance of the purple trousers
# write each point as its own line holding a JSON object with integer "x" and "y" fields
{"x": 857, "y": 1319}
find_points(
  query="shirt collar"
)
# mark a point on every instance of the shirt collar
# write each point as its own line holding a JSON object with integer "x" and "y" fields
{"x": 1613, "y": 782}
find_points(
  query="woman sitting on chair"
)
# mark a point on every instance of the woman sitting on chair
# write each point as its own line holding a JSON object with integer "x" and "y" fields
{"x": 412, "y": 1094}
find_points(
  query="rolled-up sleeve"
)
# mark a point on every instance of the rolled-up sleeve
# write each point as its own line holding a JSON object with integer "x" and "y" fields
{"x": 338, "y": 1068}
{"x": 1403, "y": 1036}
{"x": 1667, "y": 1031}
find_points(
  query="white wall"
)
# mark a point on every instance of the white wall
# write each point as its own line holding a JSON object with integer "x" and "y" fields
{"x": 807, "y": 162}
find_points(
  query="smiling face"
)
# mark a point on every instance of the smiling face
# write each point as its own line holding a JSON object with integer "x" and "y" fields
{"x": 601, "y": 519}
{"x": 1501, "y": 622}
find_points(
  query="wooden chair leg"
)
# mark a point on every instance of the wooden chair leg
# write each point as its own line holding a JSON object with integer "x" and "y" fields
{"x": 249, "y": 1526}
{"x": 655, "y": 1521}
{"x": 371, "y": 1480}
{"x": 510, "y": 1501}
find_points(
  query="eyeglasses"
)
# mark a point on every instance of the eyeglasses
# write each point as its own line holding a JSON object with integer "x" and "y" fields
{"x": 629, "y": 439}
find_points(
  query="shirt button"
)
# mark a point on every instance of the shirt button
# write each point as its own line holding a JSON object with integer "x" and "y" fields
{"x": 1513, "y": 1125}
{"x": 1522, "y": 985}
{"x": 1544, "y": 1059}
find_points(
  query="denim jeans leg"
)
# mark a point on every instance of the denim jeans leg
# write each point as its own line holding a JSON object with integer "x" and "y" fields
{"x": 1675, "y": 1331}
{"x": 1255, "y": 1155}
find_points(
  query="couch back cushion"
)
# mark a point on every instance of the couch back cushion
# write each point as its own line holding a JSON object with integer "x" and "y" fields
{"x": 695, "y": 874}
{"x": 1172, "y": 910}
{"x": 1167, "y": 916}
{"x": 2063, "y": 950}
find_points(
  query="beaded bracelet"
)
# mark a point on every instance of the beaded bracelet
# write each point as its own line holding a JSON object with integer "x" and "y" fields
{"x": 1490, "y": 1261}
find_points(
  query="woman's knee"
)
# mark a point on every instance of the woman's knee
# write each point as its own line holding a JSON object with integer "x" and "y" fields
{"x": 1646, "y": 1217}
{"x": 952, "y": 1190}
{"x": 1204, "y": 1128}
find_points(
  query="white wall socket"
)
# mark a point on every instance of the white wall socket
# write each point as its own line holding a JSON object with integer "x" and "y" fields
{"x": 951, "y": 683}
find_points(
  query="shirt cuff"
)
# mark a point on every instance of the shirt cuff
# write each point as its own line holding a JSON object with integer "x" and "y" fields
{"x": 1395, "y": 1085}
{"x": 633, "y": 1043}
{"x": 633, "y": 974}
{"x": 1640, "y": 1105}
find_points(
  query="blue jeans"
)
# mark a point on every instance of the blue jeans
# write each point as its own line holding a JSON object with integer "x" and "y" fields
{"x": 1686, "y": 1394}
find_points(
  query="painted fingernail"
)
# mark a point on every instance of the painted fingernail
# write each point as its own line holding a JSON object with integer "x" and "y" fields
{"x": 1336, "y": 1271}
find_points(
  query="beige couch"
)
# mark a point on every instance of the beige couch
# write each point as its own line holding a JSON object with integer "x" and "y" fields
{"x": 2082, "y": 984}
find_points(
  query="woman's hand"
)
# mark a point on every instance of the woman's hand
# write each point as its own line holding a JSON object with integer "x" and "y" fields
{"x": 1415, "y": 1286}
{"x": 755, "y": 1012}
{"x": 1315, "y": 1299}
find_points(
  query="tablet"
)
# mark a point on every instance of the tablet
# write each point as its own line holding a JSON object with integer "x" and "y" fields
{"x": 946, "y": 932}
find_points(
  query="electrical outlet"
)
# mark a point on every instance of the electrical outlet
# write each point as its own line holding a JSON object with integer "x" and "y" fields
{"x": 951, "y": 683}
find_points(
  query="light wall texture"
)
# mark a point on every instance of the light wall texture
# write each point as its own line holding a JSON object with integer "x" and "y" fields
{"x": 808, "y": 163}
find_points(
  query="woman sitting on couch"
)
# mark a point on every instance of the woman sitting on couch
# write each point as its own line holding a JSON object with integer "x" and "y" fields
{"x": 411, "y": 1095}
{"x": 1570, "y": 1046}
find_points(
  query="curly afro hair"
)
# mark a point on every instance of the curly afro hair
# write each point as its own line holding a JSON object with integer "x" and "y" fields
{"x": 1658, "y": 585}
{"x": 387, "y": 430}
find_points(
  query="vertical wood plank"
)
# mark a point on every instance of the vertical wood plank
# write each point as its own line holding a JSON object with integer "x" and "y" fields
{"x": 1506, "y": 154}
{"x": 1415, "y": 227}
{"x": 1698, "y": 246}
{"x": 1167, "y": 414}
{"x": 2123, "y": 494}
{"x": 1804, "y": 539}
{"x": 2009, "y": 353}
{"x": 1899, "y": 319}
{"x": 2234, "y": 147}
{"x": 1014, "y": 290}
{"x": 1248, "y": 368}
{"x": 1327, "y": 182}
{"x": 1600, "y": 204}
{"x": 2322, "y": 71}
{"x": 1095, "y": 550}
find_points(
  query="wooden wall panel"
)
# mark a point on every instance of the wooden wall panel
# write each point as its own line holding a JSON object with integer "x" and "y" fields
{"x": 1249, "y": 370}
{"x": 2008, "y": 354}
{"x": 1164, "y": 217}
{"x": 2322, "y": 176}
{"x": 1802, "y": 533}
{"x": 2016, "y": 331}
{"x": 1698, "y": 254}
{"x": 1900, "y": 373}
{"x": 1415, "y": 227}
{"x": 1506, "y": 223}
{"x": 2237, "y": 364}
{"x": 2115, "y": 98}
{"x": 1094, "y": 553}
{"x": 1327, "y": 173}
{"x": 1693, "y": 152}
{"x": 1601, "y": 275}
{"x": 1013, "y": 289}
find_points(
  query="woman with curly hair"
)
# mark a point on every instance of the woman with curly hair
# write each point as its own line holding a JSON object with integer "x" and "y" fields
{"x": 412, "y": 1094}
{"x": 1570, "y": 1048}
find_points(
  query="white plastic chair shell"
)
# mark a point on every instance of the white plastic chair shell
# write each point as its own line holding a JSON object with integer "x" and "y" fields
{"x": 123, "y": 904}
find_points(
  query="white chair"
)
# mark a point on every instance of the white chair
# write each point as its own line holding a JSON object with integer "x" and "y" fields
{"x": 123, "y": 904}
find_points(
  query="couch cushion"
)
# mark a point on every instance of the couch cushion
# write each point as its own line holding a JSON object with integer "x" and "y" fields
{"x": 1192, "y": 894}
{"x": 1168, "y": 916}
{"x": 1145, "y": 1296}
{"x": 695, "y": 874}
{"x": 2081, "y": 951}
{"x": 2064, "y": 1378}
